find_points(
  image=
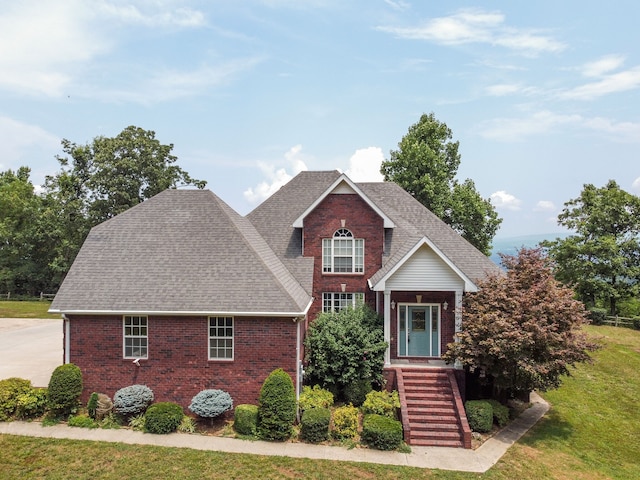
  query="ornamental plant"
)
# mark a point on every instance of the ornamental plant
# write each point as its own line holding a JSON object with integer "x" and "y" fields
{"x": 345, "y": 347}
{"x": 315, "y": 397}
{"x": 345, "y": 422}
{"x": 10, "y": 391}
{"x": 314, "y": 426}
{"x": 65, "y": 388}
{"x": 163, "y": 417}
{"x": 132, "y": 400}
{"x": 31, "y": 404}
{"x": 277, "y": 406}
{"x": 479, "y": 415}
{"x": 381, "y": 403}
{"x": 211, "y": 403}
{"x": 381, "y": 432}
{"x": 245, "y": 420}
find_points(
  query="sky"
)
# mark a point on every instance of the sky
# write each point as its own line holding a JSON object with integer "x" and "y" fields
{"x": 543, "y": 97}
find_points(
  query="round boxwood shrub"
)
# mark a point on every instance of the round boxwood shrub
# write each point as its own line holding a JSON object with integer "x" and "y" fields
{"x": 315, "y": 397}
{"x": 163, "y": 417}
{"x": 277, "y": 406}
{"x": 381, "y": 432}
{"x": 314, "y": 425}
{"x": 10, "y": 390}
{"x": 132, "y": 400}
{"x": 245, "y": 420}
{"x": 500, "y": 413}
{"x": 65, "y": 388}
{"x": 345, "y": 422}
{"x": 211, "y": 403}
{"x": 356, "y": 392}
{"x": 479, "y": 415}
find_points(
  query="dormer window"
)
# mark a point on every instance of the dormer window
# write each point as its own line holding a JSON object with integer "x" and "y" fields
{"x": 343, "y": 253}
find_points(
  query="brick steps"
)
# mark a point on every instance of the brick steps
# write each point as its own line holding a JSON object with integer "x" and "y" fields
{"x": 429, "y": 403}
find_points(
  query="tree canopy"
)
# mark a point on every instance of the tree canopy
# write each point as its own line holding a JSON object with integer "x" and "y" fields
{"x": 602, "y": 258}
{"x": 425, "y": 165}
{"x": 521, "y": 330}
{"x": 40, "y": 235}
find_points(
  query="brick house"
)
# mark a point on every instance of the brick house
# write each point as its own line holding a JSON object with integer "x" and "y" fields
{"x": 207, "y": 298}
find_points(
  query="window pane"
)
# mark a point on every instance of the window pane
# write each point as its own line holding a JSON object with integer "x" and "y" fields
{"x": 221, "y": 338}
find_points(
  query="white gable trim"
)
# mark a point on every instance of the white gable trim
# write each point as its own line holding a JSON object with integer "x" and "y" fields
{"x": 299, "y": 222}
{"x": 380, "y": 286}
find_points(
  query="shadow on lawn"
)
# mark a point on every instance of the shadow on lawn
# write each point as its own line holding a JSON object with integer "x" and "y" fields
{"x": 550, "y": 427}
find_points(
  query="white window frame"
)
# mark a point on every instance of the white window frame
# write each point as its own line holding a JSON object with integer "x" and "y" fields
{"x": 337, "y": 301}
{"x": 221, "y": 335}
{"x": 343, "y": 245}
{"x": 135, "y": 335}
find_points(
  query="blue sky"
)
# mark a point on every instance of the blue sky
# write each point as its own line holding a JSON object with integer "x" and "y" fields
{"x": 543, "y": 96}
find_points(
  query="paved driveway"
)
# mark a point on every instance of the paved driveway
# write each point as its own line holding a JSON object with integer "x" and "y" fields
{"x": 30, "y": 348}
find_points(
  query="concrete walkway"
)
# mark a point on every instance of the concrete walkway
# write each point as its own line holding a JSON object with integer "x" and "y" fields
{"x": 478, "y": 461}
{"x": 32, "y": 349}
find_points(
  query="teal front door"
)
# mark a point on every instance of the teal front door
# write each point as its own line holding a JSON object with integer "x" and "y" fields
{"x": 419, "y": 330}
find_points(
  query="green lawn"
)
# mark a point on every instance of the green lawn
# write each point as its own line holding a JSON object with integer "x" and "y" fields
{"x": 29, "y": 309}
{"x": 591, "y": 432}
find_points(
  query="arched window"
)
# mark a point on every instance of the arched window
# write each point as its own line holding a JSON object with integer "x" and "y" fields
{"x": 343, "y": 253}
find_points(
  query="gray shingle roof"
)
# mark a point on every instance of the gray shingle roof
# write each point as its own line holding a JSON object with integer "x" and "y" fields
{"x": 180, "y": 251}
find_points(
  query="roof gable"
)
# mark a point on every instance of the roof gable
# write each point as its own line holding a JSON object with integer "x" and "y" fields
{"x": 342, "y": 184}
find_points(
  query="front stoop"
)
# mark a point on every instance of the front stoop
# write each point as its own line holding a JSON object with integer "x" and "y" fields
{"x": 431, "y": 408}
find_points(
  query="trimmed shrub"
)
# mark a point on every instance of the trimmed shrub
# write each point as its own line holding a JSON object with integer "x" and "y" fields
{"x": 245, "y": 420}
{"x": 132, "y": 400}
{"x": 315, "y": 397}
{"x": 479, "y": 415}
{"x": 92, "y": 405}
{"x": 345, "y": 422}
{"x": 277, "y": 406}
{"x": 500, "y": 413}
{"x": 314, "y": 426}
{"x": 82, "y": 421}
{"x": 381, "y": 432}
{"x": 381, "y": 403}
{"x": 211, "y": 403}
{"x": 597, "y": 315}
{"x": 65, "y": 388}
{"x": 356, "y": 392}
{"x": 31, "y": 404}
{"x": 163, "y": 417}
{"x": 10, "y": 390}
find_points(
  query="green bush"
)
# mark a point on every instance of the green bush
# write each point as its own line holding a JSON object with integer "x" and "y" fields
{"x": 314, "y": 426}
{"x": 315, "y": 397}
{"x": 163, "y": 417}
{"x": 187, "y": 425}
{"x": 277, "y": 406}
{"x": 356, "y": 392}
{"x": 345, "y": 347}
{"x": 381, "y": 403}
{"x": 345, "y": 422}
{"x": 500, "y": 413}
{"x": 137, "y": 422}
{"x": 211, "y": 403}
{"x": 92, "y": 405}
{"x": 245, "y": 420}
{"x": 597, "y": 315}
{"x": 10, "y": 390}
{"x": 82, "y": 421}
{"x": 31, "y": 404}
{"x": 381, "y": 432}
{"x": 132, "y": 400}
{"x": 65, "y": 388}
{"x": 479, "y": 415}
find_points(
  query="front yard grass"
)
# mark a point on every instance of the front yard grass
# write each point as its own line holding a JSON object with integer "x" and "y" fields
{"x": 26, "y": 309}
{"x": 591, "y": 432}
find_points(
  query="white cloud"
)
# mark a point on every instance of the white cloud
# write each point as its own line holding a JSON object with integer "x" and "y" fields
{"x": 398, "y": 4}
{"x": 477, "y": 26}
{"x": 132, "y": 14}
{"x": 603, "y": 65}
{"x": 613, "y": 83}
{"x": 544, "y": 206}
{"x": 364, "y": 165}
{"x": 18, "y": 139}
{"x": 503, "y": 89}
{"x": 635, "y": 186}
{"x": 504, "y": 200}
{"x": 276, "y": 177}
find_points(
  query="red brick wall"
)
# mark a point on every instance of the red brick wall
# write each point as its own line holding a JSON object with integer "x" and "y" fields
{"x": 447, "y": 317}
{"x": 323, "y": 222}
{"x": 178, "y": 365}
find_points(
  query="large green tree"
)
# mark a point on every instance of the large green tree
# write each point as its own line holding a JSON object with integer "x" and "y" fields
{"x": 102, "y": 179}
{"x": 521, "y": 330}
{"x": 425, "y": 165}
{"x": 602, "y": 258}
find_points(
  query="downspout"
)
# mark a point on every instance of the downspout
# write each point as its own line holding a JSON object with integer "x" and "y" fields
{"x": 67, "y": 339}
{"x": 299, "y": 367}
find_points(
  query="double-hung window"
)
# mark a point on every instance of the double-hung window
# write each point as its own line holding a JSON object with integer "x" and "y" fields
{"x": 136, "y": 336}
{"x": 336, "y": 301}
{"x": 220, "y": 338}
{"x": 343, "y": 253}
